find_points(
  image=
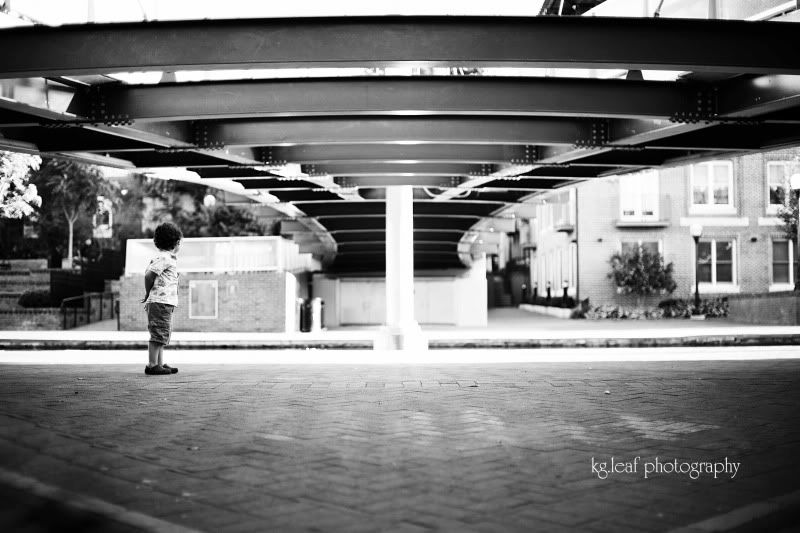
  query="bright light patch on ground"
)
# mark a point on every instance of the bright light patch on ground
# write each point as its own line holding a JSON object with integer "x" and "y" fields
{"x": 377, "y": 357}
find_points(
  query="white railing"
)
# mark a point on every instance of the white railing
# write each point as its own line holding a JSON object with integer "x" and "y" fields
{"x": 224, "y": 254}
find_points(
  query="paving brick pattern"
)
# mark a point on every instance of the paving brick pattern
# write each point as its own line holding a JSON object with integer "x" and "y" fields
{"x": 406, "y": 448}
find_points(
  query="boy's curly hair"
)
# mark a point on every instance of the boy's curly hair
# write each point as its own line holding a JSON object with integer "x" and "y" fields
{"x": 167, "y": 235}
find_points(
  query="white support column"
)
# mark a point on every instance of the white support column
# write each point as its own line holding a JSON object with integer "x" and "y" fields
{"x": 402, "y": 331}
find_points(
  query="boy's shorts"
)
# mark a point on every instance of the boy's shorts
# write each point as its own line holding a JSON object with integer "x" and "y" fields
{"x": 159, "y": 322}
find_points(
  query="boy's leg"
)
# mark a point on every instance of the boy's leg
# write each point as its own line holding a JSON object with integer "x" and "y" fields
{"x": 161, "y": 354}
{"x": 154, "y": 350}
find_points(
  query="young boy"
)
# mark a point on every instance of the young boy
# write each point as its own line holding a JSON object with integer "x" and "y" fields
{"x": 161, "y": 295}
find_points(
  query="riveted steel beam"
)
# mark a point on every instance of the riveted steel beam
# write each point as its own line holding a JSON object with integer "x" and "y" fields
{"x": 443, "y": 153}
{"x": 576, "y": 42}
{"x": 385, "y": 181}
{"x": 378, "y": 95}
{"x": 355, "y": 223}
{"x": 357, "y": 168}
{"x": 358, "y": 130}
{"x": 750, "y": 97}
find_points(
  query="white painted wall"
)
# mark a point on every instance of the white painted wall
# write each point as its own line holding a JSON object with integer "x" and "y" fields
{"x": 438, "y": 300}
{"x": 291, "y": 298}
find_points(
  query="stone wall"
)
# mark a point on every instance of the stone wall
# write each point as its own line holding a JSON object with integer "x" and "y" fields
{"x": 775, "y": 308}
{"x": 247, "y": 301}
{"x": 30, "y": 319}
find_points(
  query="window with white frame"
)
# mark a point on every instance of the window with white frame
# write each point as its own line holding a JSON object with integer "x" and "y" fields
{"x": 653, "y": 247}
{"x": 716, "y": 261}
{"x": 638, "y": 196}
{"x": 782, "y": 262}
{"x": 777, "y": 184}
{"x": 712, "y": 187}
{"x": 203, "y": 298}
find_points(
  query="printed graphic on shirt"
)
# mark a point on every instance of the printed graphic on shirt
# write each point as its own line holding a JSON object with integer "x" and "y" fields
{"x": 165, "y": 286}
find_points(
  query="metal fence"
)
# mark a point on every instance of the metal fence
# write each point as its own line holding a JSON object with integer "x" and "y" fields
{"x": 88, "y": 308}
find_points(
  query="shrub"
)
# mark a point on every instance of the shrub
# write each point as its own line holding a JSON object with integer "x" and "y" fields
{"x": 617, "y": 312}
{"x": 682, "y": 308}
{"x": 642, "y": 273}
{"x": 34, "y": 299}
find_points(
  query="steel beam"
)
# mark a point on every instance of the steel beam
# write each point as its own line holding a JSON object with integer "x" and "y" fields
{"x": 443, "y": 153}
{"x": 733, "y": 138}
{"x": 385, "y": 181}
{"x": 74, "y": 139}
{"x": 754, "y": 96}
{"x": 166, "y": 159}
{"x": 576, "y": 42}
{"x": 358, "y": 130}
{"x": 358, "y": 168}
{"x": 735, "y": 100}
{"x": 379, "y": 95}
{"x": 356, "y": 223}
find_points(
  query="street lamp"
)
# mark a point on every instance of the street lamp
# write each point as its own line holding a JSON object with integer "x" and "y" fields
{"x": 794, "y": 183}
{"x": 696, "y": 230}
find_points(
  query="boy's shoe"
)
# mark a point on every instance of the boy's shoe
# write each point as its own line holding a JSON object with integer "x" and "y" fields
{"x": 157, "y": 370}
{"x": 172, "y": 369}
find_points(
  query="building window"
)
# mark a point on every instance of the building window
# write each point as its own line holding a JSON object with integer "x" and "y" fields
{"x": 638, "y": 196}
{"x": 715, "y": 261}
{"x": 203, "y": 298}
{"x": 712, "y": 187}
{"x": 778, "y": 185}
{"x": 782, "y": 262}
{"x": 654, "y": 247}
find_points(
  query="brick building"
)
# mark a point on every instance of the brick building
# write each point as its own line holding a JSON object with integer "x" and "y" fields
{"x": 743, "y": 247}
{"x": 225, "y": 284}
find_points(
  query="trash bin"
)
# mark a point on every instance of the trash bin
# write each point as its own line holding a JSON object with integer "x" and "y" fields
{"x": 305, "y": 315}
{"x": 298, "y": 314}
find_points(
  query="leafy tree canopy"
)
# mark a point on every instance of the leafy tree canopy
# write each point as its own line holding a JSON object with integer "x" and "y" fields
{"x": 788, "y": 215}
{"x": 18, "y": 198}
{"x": 69, "y": 193}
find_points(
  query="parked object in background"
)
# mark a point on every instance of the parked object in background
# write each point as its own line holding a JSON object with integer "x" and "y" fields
{"x": 580, "y": 310}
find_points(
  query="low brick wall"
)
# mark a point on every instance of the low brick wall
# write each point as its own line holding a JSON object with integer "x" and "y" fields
{"x": 558, "y": 312}
{"x": 29, "y": 264}
{"x": 247, "y": 301}
{"x": 8, "y": 301}
{"x": 774, "y": 308}
{"x": 31, "y": 319}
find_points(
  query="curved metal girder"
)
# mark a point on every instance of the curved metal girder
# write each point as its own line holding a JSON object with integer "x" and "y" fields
{"x": 442, "y": 153}
{"x": 379, "y": 95}
{"x": 576, "y": 42}
{"x": 366, "y": 130}
{"x": 423, "y": 168}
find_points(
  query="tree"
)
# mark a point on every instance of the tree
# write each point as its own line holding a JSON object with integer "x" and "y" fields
{"x": 788, "y": 214}
{"x": 197, "y": 220}
{"x": 71, "y": 190}
{"x": 18, "y": 198}
{"x": 642, "y": 273}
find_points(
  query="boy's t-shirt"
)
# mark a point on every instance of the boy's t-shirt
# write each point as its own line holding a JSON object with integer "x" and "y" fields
{"x": 165, "y": 287}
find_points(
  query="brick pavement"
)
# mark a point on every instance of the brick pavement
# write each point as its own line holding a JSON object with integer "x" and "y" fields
{"x": 405, "y": 448}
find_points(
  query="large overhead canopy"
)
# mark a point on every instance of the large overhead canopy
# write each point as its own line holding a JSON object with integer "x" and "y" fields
{"x": 474, "y": 137}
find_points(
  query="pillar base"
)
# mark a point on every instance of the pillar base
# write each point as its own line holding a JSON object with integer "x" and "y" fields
{"x": 408, "y": 337}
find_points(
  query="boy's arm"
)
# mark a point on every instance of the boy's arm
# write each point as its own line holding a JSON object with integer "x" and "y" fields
{"x": 149, "y": 279}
